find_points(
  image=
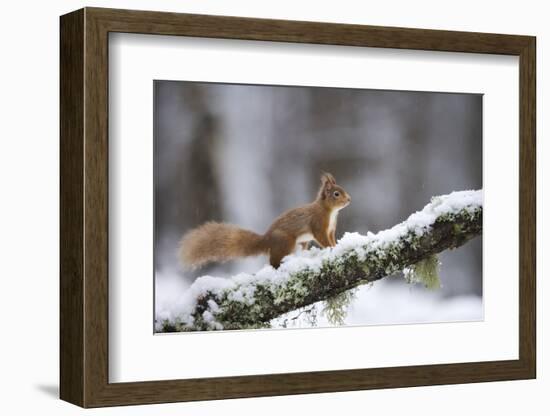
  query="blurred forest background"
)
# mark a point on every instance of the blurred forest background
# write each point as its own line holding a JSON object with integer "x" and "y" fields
{"x": 245, "y": 153}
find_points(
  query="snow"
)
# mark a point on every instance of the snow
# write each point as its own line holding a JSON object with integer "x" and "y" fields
{"x": 388, "y": 303}
{"x": 419, "y": 222}
{"x": 241, "y": 288}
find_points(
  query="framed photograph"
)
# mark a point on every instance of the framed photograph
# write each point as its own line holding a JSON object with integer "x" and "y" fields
{"x": 255, "y": 207}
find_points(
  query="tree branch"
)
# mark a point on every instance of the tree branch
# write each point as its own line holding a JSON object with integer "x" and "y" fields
{"x": 251, "y": 301}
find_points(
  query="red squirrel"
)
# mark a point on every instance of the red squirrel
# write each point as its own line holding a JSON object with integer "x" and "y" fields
{"x": 316, "y": 221}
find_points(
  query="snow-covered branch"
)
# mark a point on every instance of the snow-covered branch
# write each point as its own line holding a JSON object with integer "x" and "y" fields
{"x": 253, "y": 300}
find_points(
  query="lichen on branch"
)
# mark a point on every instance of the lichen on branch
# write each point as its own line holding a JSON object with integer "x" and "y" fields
{"x": 426, "y": 272}
{"x": 253, "y": 300}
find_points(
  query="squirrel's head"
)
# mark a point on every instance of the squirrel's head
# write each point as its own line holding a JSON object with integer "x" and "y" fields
{"x": 331, "y": 194}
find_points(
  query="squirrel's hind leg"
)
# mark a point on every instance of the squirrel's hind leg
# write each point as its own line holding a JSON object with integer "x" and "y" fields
{"x": 279, "y": 247}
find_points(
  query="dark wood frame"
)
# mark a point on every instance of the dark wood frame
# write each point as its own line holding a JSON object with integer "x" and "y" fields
{"x": 84, "y": 208}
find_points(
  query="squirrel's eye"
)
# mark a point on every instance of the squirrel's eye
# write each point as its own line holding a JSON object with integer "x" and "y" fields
{"x": 336, "y": 194}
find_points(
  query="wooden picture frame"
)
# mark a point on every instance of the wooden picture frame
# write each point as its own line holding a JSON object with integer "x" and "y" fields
{"x": 84, "y": 207}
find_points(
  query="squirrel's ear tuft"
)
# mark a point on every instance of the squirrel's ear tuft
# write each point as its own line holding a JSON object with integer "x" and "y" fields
{"x": 327, "y": 178}
{"x": 327, "y": 181}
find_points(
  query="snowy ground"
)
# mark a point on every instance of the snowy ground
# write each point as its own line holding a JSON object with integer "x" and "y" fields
{"x": 386, "y": 303}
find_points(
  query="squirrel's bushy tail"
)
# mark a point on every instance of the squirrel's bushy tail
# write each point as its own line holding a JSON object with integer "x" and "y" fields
{"x": 218, "y": 242}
